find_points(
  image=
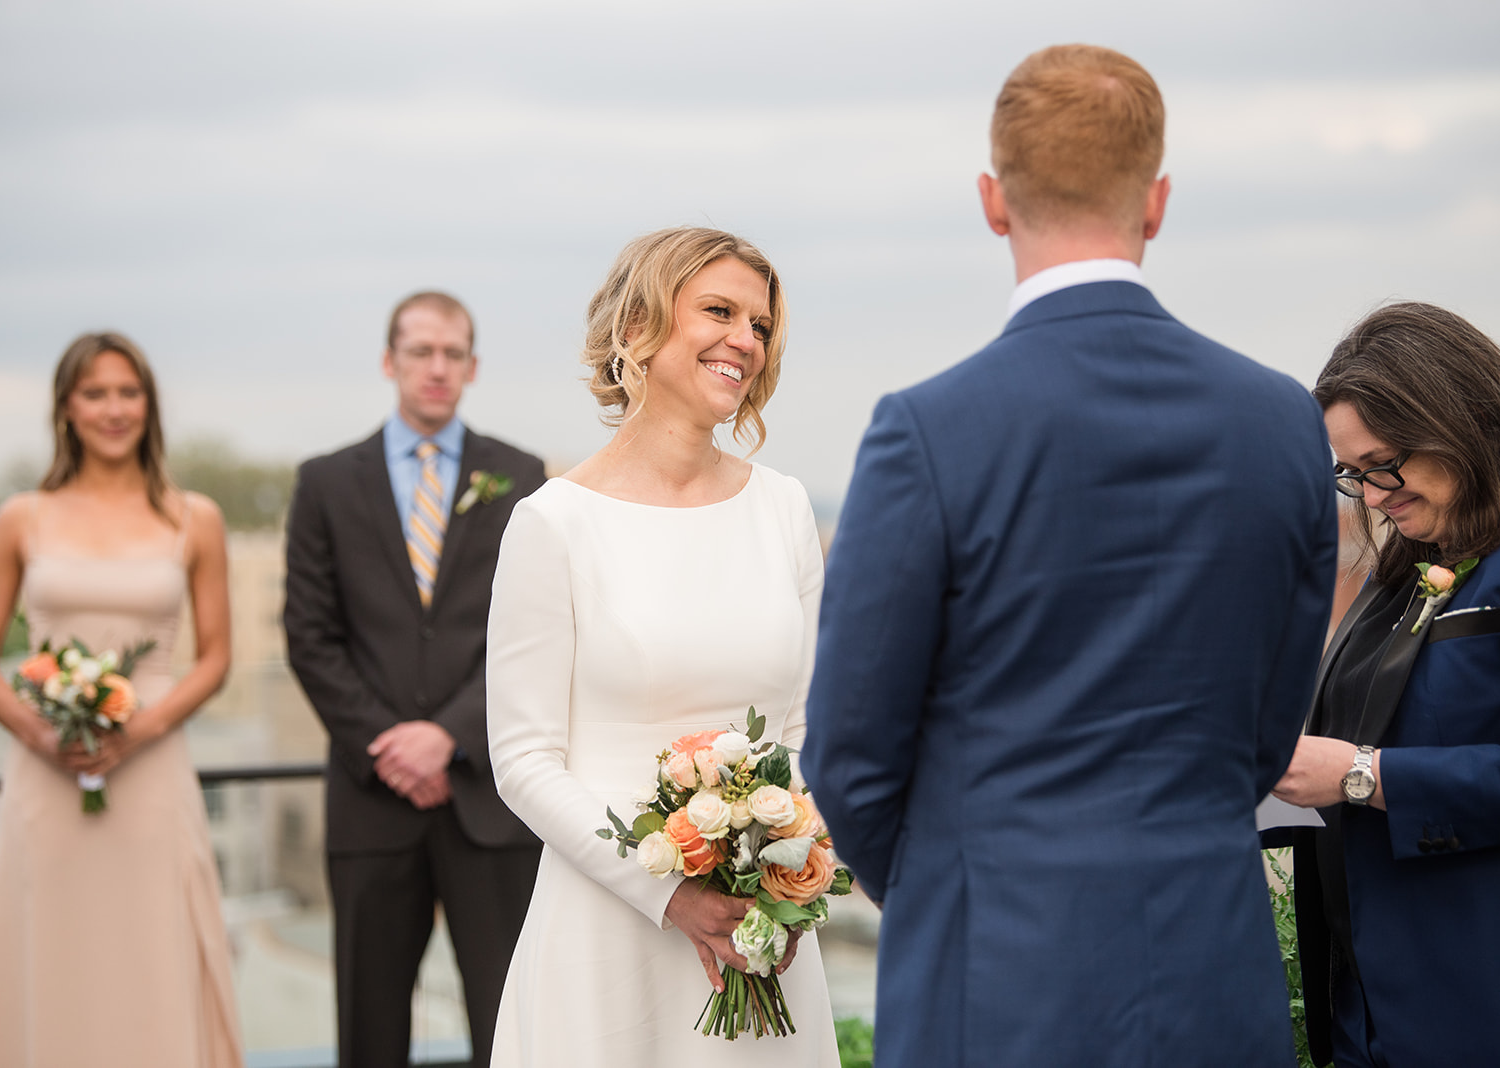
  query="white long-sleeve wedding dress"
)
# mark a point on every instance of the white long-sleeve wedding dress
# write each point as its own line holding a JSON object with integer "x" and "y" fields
{"x": 616, "y": 628}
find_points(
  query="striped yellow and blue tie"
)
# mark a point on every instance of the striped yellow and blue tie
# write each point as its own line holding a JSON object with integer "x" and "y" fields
{"x": 424, "y": 532}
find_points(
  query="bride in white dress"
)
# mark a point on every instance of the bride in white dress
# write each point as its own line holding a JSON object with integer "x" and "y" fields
{"x": 658, "y": 588}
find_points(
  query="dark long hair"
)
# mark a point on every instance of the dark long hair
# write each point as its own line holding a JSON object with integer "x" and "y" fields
{"x": 1423, "y": 379}
{"x": 67, "y": 450}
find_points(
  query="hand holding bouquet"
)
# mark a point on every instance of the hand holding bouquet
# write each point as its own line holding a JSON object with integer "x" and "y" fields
{"x": 723, "y": 810}
{"x": 81, "y": 695}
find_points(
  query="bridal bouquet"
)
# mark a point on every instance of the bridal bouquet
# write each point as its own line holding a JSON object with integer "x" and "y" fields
{"x": 82, "y": 695}
{"x": 724, "y": 810}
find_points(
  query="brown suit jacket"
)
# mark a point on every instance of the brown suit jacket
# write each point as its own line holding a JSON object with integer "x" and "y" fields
{"x": 368, "y": 656}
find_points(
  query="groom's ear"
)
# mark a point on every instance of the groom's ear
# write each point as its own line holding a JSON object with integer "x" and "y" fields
{"x": 992, "y": 199}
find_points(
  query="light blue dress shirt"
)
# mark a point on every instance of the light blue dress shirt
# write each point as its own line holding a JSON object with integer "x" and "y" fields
{"x": 404, "y": 468}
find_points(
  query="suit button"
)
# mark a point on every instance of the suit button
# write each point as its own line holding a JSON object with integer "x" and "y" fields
{"x": 422, "y": 701}
{"x": 1453, "y": 843}
{"x": 427, "y": 634}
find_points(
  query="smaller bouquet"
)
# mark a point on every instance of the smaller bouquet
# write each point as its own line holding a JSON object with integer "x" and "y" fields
{"x": 724, "y": 810}
{"x": 1437, "y": 587}
{"x": 81, "y": 695}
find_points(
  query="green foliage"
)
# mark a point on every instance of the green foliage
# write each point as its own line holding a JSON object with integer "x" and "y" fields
{"x": 755, "y": 725}
{"x": 17, "y": 638}
{"x": 856, "y": 1042}
{"x": 253, "y": 496}
{"x": 1284, "y": 909}
{"x": 776, "y": 767}
{"x": 647, "y": 823}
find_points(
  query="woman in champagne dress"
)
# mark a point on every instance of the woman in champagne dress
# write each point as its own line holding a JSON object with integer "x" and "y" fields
{"x": 113, "y": 950}
{"x": 657, "y": 589}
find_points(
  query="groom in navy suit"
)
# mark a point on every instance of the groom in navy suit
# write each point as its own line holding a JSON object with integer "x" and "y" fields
{"x": 1069, "y": 630}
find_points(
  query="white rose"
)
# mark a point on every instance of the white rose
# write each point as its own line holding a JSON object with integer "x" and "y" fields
{"x": 53, "y": 687}
{"x": 88, "y": 670}
{"x": 709, "y": 814}
{"x": 70, "y": 657}
{"x": 732, "y": 747}
{"x": 108, "y": 661}
{"x": 739, "y": 814}
{"x": 644, "y": 796}
{"x": 658, "y": 855}
{"x": 772, "y": 806}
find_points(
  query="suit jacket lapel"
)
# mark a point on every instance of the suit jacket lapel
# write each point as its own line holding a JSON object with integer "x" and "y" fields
{"x": 458, "y": 525}
{"x": 1356, "y": 609}
{"x": 1390, "y": 677}
{"x": 373, "y": 483}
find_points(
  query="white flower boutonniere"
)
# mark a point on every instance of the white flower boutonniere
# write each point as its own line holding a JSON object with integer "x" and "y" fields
{"x": 484, "y": 487}
{"x": 1437, "y": 587}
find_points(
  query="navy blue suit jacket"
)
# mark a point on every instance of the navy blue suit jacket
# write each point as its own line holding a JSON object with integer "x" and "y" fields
{"x": 1069, "y": 630}
{"x": 1424, "y": 875}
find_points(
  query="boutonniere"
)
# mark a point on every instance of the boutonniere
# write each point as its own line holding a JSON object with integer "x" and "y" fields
{"x": 484, "y": 487}
{"x": 1437, "y": 587}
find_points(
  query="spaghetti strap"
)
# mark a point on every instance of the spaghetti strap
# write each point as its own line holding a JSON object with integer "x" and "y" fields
{"x": 187, "y": 510}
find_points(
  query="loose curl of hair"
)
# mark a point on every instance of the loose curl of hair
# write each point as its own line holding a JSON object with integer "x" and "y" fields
{"x": 631, "y": 317}
{"x": 1423, "y": 379}
{"x": 67, "y": 449}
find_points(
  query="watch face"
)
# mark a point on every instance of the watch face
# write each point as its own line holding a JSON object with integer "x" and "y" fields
{"x": 1358, "y": 784}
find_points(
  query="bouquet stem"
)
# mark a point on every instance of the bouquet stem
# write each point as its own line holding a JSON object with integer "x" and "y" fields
{"x": 94, "y": 799}
{"x": 749, "y": 1003}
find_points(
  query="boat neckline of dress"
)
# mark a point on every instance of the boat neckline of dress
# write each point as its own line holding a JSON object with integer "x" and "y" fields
{"x": 754, "y": 474}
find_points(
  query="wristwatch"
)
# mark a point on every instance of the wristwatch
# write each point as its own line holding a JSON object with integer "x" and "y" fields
{"x": 1359, "y": 781}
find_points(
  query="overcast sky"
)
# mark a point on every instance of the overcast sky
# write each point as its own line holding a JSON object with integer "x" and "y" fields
{"x": 246, "y": 189}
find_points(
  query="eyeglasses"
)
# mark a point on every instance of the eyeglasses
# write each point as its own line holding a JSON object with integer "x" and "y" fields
{"x": 427, "y": 352}
{"x": 1381, "y": 476}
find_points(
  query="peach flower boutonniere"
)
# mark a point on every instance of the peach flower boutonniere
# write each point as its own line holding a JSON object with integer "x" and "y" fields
{"x": 1437, "y": 587}
{"x": 484, "y": 487}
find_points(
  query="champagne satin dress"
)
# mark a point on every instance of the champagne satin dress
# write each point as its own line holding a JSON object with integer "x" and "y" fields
{"x": 113, "y": 950}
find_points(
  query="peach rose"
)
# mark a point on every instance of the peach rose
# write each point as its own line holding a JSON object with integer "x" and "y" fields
{"x": 1439, "y": 578}
{"x": 120, "y": 702}
{"x": 39, "y": 668}
{"x": 699, "y": 856}
{"x": 709, "y": 766}
{"x": 680, "y": 769}
{"x": 806, "y": 824}
{"x": 800, "y": 887}
{"x": 691, "y": 743}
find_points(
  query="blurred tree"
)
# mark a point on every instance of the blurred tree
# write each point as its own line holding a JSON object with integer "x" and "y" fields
{"x": 254, "y": 496}
{"x": 15, "y": 636}
{"x": 22, "y": 474}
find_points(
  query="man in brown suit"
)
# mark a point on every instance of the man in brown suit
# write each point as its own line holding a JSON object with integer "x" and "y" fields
{"x": 387, "y": 597}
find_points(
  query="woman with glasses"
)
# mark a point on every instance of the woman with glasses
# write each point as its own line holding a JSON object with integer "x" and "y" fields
{"x": 1398, "y": 896}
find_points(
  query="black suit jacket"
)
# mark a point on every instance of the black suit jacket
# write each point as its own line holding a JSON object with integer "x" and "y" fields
{"x": 368, "y": 656}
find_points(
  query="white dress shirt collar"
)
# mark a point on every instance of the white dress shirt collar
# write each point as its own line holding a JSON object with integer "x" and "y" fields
{"x": 1076, "y": 273}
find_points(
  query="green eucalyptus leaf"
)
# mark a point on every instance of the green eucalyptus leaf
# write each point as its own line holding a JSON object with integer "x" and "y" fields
{"x": 755, "y": 726}
{"x": 623, "y": 851}
{"x": 843, "y": 882}
{"x": 605, "y": 833}
{"x": 647, "y": 823}
{"x": 619, "y": 823}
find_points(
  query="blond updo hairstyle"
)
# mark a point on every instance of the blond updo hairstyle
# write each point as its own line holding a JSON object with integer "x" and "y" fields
{"x": 631, "y": 317}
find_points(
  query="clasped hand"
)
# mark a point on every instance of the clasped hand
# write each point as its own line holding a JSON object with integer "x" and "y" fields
{"x": 708, "y": 919}
{"x": 111, "y": 749}
{"x": 412, "y": 759}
